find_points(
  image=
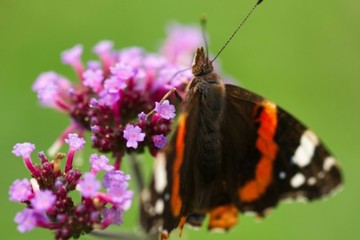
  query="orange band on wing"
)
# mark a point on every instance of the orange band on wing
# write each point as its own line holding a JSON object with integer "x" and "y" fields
{"x": 223, "y": 217}
{"x": 268, "y": 149}
{"x": 176, "y": 202}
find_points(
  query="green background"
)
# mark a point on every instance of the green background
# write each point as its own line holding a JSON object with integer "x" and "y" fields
{"x": 302, "y": 54}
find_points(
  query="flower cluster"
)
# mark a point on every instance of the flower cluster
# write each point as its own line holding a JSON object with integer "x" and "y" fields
{"x": 47, "y": 199}
{"x": 114, "y": 94}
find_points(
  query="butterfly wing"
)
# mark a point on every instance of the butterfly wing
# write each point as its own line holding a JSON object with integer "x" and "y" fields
{"x": 266, "y": 156}
{"x": 283, "y": 159}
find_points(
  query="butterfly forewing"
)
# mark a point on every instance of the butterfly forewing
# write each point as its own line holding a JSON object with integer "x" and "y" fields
{"x": 284, "y": 158}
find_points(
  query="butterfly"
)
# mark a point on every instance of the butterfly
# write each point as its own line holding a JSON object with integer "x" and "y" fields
{"x": 232, "y": 151}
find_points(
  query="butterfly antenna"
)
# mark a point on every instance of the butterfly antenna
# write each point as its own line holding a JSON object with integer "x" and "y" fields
{"x": 203, "y": 20}
{"x": 238, "y": 28}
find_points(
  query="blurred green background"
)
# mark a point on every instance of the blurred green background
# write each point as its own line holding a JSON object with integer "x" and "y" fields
{"x": 304, "y": 55}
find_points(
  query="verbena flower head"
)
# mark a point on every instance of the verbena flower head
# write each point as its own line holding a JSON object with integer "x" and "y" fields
{"x": 110, "y": 93}
{"x": 48, "y": 203}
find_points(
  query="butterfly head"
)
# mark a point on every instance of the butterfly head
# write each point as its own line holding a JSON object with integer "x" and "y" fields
{"x": 202, "y": 65}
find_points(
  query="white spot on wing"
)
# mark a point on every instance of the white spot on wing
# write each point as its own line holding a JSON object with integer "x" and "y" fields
{"x": 160, "y": 176}
{"x": 145, "y": 195}
{"x": 282, "y": 175}
{"x": 311, "y": 181}
{"x": 159, "y": 206}
{"x": 321, "y": 174}
{"x": 305, "y": 151}
{"x": 297, "y": 180}
{"x": 329, "y": 162}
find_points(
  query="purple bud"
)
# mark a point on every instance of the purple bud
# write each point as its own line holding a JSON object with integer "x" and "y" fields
{"x": 159, "y": 141}
{"x": 95, "y": 128}
{"x": 93, "y": 103}
{"x": 142, "y": 116}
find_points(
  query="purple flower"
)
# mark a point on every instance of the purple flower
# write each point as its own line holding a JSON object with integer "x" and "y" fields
{"x": 121, "y": 197}
{"x": 113, "y": 216}
{"x": 114, "y": 85}
{"x": 20, "y": 190}
{"x": 93, "y": 78}
{"x": 88, "y": 186}
{"x": 159, "y": 141}
{"x": 99, "y": 163}
{"x": 44, "y": 79}
{"x": 165, "y": 109}
{"x": 23, "y": 149}
{"x": 93, "y": 65}
{"x": 50, "y": 88}
{"x": 122, "y": 71}
{"x": 133, "y": 135}
{"x": 75, "y": 142}
{"x": 72, "y": 55}
{"x": 108, "y": 99}
{"x": 155, "y": 61}
{"x": 43, "y": 200}
{"x": 181, "y": 42}
{"x": 103, "y": 47}
{"x": 124, "y": 82}
{"x": 132, "y": 56}
{"x": 142, "y": 116}
{"x": 116, "y": 179}
{"x": 26, "y": 220}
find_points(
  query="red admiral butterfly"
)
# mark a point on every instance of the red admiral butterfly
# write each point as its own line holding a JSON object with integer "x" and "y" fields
{"x": 233, "y": 151}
